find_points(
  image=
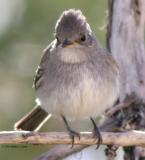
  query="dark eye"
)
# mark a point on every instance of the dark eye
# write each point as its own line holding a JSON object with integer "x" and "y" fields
{"x": 83, "y": 38}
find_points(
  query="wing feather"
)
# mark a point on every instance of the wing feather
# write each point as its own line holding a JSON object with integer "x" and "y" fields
{"x": 41, "y": 68}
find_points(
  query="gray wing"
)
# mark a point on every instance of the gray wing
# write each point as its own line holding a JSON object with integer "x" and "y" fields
{"x": 41, "y": 68}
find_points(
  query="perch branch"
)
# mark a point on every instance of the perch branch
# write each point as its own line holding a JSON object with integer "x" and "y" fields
{"x": 130, "y": 138}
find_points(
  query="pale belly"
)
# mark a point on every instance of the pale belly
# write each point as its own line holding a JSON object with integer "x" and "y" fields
{"x": 88, "y": 99}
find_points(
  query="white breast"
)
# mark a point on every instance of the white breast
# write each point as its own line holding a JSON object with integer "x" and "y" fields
{"x": 89, "y": 98}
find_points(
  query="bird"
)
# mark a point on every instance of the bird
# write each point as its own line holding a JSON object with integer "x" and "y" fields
{"x": 76, "y": 79}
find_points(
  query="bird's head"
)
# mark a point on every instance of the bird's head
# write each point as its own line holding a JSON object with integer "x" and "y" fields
{"x": 72, "y": 29}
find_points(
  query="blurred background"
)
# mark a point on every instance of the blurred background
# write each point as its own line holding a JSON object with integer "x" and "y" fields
{"x": 26, "y": 28}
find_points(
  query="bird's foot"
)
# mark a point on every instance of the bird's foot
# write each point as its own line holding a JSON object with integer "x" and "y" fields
{"x": 72, "y": 135}
{"x": 96, "y": 133}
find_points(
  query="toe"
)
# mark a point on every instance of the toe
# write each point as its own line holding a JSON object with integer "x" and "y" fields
{"x": 73, "y": 134}
{"x": 97, "y": 136}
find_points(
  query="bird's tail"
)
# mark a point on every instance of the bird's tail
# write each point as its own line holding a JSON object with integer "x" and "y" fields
{"x": 33, "y": 121}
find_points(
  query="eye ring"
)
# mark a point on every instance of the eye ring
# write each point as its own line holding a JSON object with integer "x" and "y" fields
{"x": 83, "y": 38}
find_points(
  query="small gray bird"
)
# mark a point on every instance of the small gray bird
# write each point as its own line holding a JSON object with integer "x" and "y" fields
{"x": 76, "y": 78}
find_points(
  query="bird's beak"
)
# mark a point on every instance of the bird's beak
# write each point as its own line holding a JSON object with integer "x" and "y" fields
{"x": 67, "y": 43}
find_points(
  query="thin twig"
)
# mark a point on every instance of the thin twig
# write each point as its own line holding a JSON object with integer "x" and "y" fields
{"x": 119, "y": 106}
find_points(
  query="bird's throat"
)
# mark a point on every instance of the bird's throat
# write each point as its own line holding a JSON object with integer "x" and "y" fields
{"x": 69, "y": 55}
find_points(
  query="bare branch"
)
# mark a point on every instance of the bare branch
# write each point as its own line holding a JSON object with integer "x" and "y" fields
{"x": 120, "y": 106}
{"x": 130, "y": 138}
{"x": 60, "y": 152}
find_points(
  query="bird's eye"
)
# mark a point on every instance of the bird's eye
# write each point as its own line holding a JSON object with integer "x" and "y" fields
{"x": 83, "y": 38}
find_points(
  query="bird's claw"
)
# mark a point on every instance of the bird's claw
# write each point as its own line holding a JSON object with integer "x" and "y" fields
{"x": 97, "y": 135}
{"x": 72, "y": 135}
